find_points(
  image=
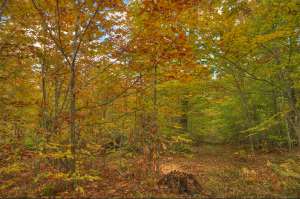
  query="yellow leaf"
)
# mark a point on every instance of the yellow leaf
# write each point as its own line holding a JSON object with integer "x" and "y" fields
{"x": 89, "y": 2}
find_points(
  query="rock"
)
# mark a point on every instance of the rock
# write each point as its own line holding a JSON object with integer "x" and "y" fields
{"x": 49, "y": 191}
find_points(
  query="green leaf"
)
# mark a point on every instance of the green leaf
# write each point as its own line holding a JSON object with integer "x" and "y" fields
{"x": 36, "y": 179}
{"x": 81, "y": 190}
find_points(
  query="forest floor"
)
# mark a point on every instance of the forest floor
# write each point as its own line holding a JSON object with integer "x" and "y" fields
{"x": 221, "y": 171}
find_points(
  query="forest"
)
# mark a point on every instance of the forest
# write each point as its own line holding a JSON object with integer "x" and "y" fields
{"x": 149, "y": 98}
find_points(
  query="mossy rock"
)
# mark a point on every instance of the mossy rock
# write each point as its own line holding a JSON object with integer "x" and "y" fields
{"x": 49, "y": 191}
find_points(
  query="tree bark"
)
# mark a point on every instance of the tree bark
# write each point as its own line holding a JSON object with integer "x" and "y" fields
{"x": 73, "y": 109}
{"x": 287, "y": 129}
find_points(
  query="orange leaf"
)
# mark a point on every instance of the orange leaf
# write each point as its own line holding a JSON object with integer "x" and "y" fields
{"x": 153, "y": 146}
{"x": 162, "y": 147}
{"x": 151, "y": 59}
{"x": 150, "y": 135}
{"x": 146, "y": 149}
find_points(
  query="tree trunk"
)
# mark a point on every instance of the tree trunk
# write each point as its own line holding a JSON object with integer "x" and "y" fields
{"x": 73, "y": 109}
{"x": 287, "y": 129}
{"x": 184, "y": 119}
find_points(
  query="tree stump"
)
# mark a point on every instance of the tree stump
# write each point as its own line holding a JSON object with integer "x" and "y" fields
{"x": 180, "y": 183}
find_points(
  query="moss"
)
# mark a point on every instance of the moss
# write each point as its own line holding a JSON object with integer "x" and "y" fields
{"x": 49, "y": 191}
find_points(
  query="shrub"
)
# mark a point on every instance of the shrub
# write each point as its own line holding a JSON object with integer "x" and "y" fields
{"x": 29, "y": 145}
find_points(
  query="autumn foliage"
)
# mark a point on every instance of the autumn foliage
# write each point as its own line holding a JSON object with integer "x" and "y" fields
{"x": 88, "y": 87}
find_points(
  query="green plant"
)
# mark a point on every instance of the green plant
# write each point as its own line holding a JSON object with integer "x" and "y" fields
{"x": 276, "y": 140}
{"x": 184, "y": 148}
{"x": 124, "y": 166}
{"x": 289, "y": 170}
{"x": 95, "y": 172}
{"x": 29, "y": 145}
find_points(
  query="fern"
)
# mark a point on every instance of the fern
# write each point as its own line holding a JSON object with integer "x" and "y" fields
{"x": 289, "y": 170}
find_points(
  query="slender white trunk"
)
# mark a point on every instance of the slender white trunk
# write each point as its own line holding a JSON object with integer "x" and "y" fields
{"x": 287, "y": 128}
